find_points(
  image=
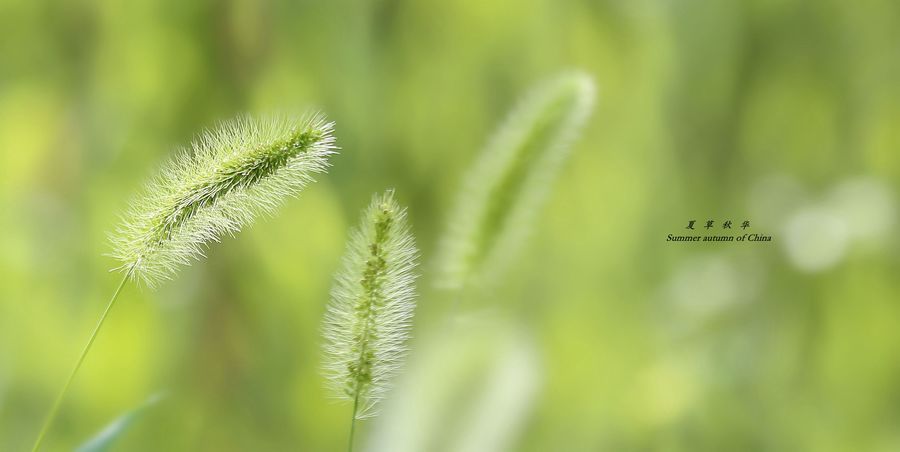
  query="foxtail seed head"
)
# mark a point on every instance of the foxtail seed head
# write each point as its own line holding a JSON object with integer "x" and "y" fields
{"x": 230, "y": 175}
{"x": 367, "y": 322}
{"x": 506, "y": 187}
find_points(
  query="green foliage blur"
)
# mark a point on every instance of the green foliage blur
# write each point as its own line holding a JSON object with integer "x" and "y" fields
{"x": 782, "y": 113}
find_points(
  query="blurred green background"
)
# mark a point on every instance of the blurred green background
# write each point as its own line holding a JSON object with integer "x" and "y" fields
{"x": 783, "y": 113}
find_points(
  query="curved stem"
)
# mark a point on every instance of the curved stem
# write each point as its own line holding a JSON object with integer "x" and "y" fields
{"x": 353, "y": 421}
{"x": 56, "y": 404}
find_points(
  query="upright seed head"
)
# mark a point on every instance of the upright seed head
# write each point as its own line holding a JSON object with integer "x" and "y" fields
{"x": 230, "y": 175}
{"x": 367, "y": 322}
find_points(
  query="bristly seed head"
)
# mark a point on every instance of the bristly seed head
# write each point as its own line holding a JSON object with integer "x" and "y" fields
{"x": 505, "y": 188}
{"x": 243, "y": 168}
{"x": 368, "y": 320}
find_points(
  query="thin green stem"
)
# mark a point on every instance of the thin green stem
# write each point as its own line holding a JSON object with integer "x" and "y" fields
{"x": 353, "y": 421}
{"x": 56, "y": 404}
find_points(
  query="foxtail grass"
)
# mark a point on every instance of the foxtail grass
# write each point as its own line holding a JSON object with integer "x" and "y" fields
{"x": 470, "y": 386}
{"x": 243, "y": 168}
{"x": 230, "y": 175}
{"x": 504, "y": 190}
{"x": 368, "y": 320}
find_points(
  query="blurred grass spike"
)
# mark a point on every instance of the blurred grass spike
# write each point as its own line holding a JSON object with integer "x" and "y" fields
{"x": 471, "y": 386}
{"x": 368, "y": 320}
{"x": 231, "y": 174}
{"x": 244, "y": 168}
{"x": 503, "y": 191}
